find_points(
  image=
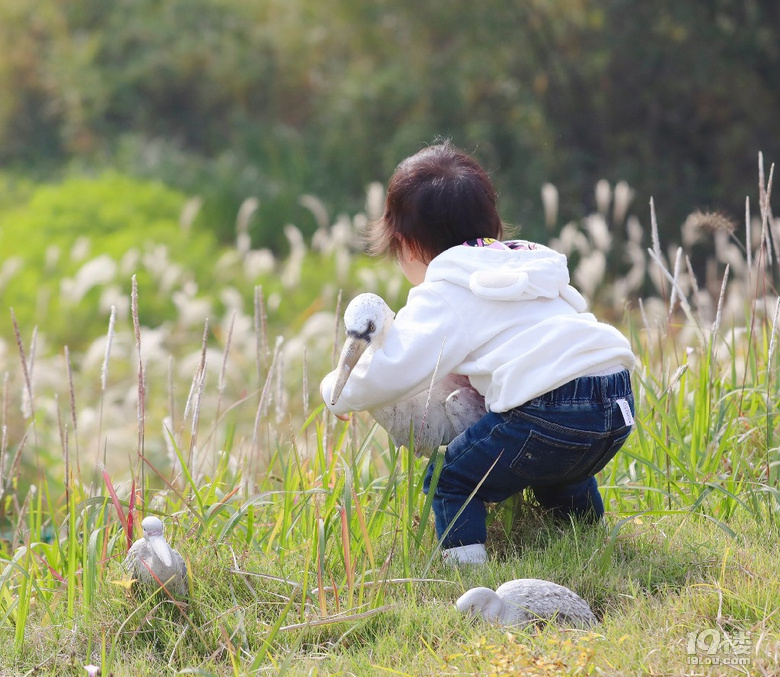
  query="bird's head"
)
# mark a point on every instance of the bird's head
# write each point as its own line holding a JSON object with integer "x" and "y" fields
{"x": 366, "y": 320}
{"x": 482, "y": 601}
{"x": 152, "y": 526}
{"x": 153, "y": 530}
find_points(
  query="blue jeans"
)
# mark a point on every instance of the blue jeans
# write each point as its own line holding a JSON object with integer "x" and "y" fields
{"x": 554, "y": 444}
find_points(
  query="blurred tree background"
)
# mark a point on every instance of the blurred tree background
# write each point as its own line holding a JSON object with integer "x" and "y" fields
{"x": 228, "y": 99}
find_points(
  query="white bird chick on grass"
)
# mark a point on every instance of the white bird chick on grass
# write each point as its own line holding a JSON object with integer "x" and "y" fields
{"x": 438, "y": 414}
{"x": 525, "y": 601}
{"x": 154, "y": 563}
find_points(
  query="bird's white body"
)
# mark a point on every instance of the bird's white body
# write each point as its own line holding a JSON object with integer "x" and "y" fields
{"x": 437, "y": 415}
{"x": 151, "y": 561}
{"x": 527, "y": 600}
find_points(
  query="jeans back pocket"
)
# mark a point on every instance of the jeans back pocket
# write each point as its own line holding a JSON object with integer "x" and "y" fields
{"x": 548, "y": 458}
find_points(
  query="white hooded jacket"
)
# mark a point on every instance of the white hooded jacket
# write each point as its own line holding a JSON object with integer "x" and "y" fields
{"x": 506, "y": 318}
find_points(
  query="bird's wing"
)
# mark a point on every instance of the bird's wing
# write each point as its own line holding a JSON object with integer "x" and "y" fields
{"x": 133, "y": 554}
{"x": 546, "y": 600}
{"x": 181, "y": 566}
{"x": 464, "y": 406}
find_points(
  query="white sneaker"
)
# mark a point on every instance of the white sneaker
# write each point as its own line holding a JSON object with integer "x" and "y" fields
{"x": 465, "y": 554}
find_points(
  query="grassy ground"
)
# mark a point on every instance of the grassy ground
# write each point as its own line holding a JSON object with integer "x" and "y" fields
{"x": 310, "y": 542}
{"x": 652, "y": 582}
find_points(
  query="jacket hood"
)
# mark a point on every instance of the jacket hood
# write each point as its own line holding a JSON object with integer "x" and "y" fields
{"x": 507, "y": 274}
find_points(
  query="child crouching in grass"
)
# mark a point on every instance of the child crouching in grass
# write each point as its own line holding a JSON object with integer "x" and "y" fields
{"x": 556, "y": 381}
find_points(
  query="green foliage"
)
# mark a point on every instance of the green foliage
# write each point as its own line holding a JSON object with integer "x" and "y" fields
{"x": 91, "y": 232}
{"x": 230, "y": 98}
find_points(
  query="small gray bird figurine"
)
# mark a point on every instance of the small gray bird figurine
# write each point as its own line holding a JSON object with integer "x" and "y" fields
{"x": 152, "y": 562}
{"x": 526, "y": 600}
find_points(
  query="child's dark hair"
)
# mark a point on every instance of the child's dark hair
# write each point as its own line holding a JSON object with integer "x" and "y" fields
{"x": 436, "y": 199}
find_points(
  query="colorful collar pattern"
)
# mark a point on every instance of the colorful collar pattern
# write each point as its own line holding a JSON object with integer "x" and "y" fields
{"x": 492, "y": 243}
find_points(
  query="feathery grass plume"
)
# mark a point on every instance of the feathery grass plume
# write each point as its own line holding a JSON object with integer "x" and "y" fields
{"x": 103, "y": 382}
{"x": 10, "y": 267}
{"x": 375, "y": 200}
{"x": 656, "y": 241}
{"x": 245, "y": 212}
{"x": 721, "y": 297}
{"x": 598, "y": 232}
{"x": 683, "y": 300}
{"x": 773, "y": 335}
{"x": 590, "y": 273}
{"x": 764, "y": 194}
{"x": 72, "y": 394}
{"x": 550, "y": 201}
{"x": 141, "y": 389}
{"x": 261, "y": 333}
{"x": 623, "y": 196}
{"x": 279, "y": 380}
{"x": 196, "y": 391}
{"x": 603, "y": 196}
{"x": 26, "y": 371}
{"x": 98, "y": 271}
{"x": 675, "y": 281}
{"x": 189, "y": 212}
{"x": 291, "y": 275}
{"x": 317, "y": 208}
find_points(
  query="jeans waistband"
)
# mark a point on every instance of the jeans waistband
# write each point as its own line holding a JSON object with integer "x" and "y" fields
{"x": 590, "y": 388}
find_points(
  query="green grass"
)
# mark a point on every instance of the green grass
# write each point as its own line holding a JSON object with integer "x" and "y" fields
{"x": 310, "y": 541}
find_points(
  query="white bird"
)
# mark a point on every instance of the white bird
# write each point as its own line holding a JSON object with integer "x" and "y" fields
{"x": 151, "y": 561}
{"x": 452, "y": 403}
{"x": 526, "y": 600}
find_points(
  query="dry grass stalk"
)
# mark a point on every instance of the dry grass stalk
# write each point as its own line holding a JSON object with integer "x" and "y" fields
{"x": 721, "y": 297}
{"x": 103, "y": 382}
{"x": 335, "y": 353}
{"x": 196, "y": 392}
{"x": 223, "y": 370}
{"x": 748, "y": 236}
{"x": 261, "y": 333}
{"x": 683, "y": 300}
{"x": 675, "y": 281}
{"x": 25, "y": 370}
{"x": 72, "y": 393}
{"x": 260, "y": 414}
{"x": 279, "y": 380}
{"x": 63, "y": 430}
{"x": 141, "y": 388}
{"x": 656, "y": 241}
{"x": 772, "y": 339}
{"x": 4, "y": 443}
{"x": 171, "y": 401}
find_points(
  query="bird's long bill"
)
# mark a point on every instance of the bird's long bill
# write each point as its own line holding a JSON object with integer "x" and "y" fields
{"x": 162, "y": 550}
{"x": 353, "y": 348}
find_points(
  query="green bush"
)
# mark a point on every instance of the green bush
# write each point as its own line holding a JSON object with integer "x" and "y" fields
{"x": 92, "y": 231}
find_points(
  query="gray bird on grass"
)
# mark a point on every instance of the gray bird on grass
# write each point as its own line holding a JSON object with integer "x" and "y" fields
{"x": 439, "y": 414}
{"x": 526, "y": 600}
{"x": 154, "y": 563}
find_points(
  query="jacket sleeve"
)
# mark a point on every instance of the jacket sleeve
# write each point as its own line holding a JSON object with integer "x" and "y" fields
{"x": 426, "y": 337}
